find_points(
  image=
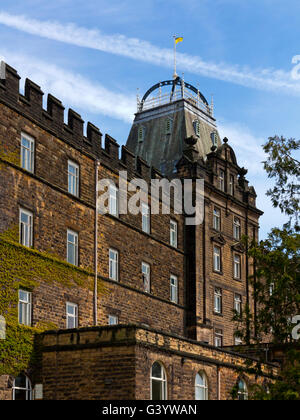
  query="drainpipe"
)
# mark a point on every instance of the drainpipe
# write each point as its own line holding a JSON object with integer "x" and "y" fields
{"x": 97, "y": 167}
{"x": 204, "y": 265}
{"x": 255, "y": 285}
{"x": 218, "y": 383}
{"x": 247, "y": 273}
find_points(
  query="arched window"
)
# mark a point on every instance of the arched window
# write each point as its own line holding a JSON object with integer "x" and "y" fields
{"x": 158, "y": 382}
{"x": 22, "y": 389}
{"x": 242, "y": 391}
{"x": 201, "y": 387}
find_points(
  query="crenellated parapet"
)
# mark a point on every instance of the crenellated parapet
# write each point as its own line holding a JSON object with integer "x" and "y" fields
{"x": 52, "y": 119}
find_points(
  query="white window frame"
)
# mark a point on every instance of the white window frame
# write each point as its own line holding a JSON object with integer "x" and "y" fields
{"x": 27, "y": 154}
{"x": 146, "y": 275}
{"x": 162, "y": 380}
{"x": 231, "y": 184}
{"x": 113, "y": 264}
{"x": 113, "y": 200}
{"x": 173, "y": 233}
{"x": 73, "y": 179}
{"x": 174, "y": 288}
{"x": 71, "y": 316}
{"x": 146, "y": 220}
{"x": 217, "y": 219}
{"x": 243, "y": 394}
{"x": 26, "y": 229}
{"x": 237, "y": 266}
{"x": 75, "y": 245}
{"x": 27, "y": 389}
{"x": 25, "y": 308}
{"x": 237, "y": 228}
{"x": 238, "y": 341}
{"x": 271, "y": 289}
{"x": 222, "y": 180}
{"x": 238, "y": 303}
{"x": 218, "y": 297}
{"x": 202, "y": 387}
{"x": 217, "y": 259}
{"x": 219, "y": 335}
{"x": 113, "y": 320}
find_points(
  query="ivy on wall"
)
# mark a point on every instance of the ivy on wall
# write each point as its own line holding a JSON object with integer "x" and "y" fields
{"x": 24, "y": 268}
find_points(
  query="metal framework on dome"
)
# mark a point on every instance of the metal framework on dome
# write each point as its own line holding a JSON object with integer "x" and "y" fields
{"x": 186, "y": 91}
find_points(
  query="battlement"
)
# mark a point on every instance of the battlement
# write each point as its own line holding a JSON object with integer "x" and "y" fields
{"x": 52, "y": 119}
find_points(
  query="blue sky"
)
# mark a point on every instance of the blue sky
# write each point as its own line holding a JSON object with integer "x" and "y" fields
{"x": 94, "y": 55}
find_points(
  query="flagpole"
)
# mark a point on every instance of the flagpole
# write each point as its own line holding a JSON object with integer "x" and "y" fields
{"x": 175, "y": 74}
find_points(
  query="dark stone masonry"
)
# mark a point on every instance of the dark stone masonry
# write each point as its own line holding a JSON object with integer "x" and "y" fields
{"x": 177, "y": 326}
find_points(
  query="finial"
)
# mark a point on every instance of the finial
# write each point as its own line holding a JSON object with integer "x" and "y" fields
{"x": 191, "y": 141}
{"x": 243, "y": 172}
{"x": 225, "y": 140}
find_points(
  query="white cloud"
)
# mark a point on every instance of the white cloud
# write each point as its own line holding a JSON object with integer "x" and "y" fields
{"x": 73, "y": 89}
{"x": 265, "y": 79}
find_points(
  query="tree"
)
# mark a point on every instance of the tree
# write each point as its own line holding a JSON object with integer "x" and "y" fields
{"x": 276, "y": 288}
{"x": 276, "y": 279}
{"x": 282, "y": 166}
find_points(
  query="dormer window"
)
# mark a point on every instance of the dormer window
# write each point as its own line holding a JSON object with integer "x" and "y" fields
{"x": 169, "y": 126}
{"x": 231, "y": 185}
{"x": 196, "y": 125}
{"x": 214, "y": 140}
{"x": 222, "y": 180}
{"x": 141, "y": 134}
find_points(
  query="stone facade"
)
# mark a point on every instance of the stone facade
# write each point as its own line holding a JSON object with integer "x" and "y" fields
{"x": 55, "y": 211}
{"x": 115, "y": 363}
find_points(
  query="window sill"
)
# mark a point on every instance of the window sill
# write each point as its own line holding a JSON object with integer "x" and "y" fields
{"x": 217, "y": 230}
{"x": 218, "y": 314}
{"x": 218, "y": 272}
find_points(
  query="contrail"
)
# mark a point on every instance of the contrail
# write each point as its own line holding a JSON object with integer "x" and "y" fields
{"x": 134, "y": 48}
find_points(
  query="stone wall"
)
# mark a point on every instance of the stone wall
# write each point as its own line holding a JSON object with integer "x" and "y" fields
{"x": 115, "y": 363}
{"x": 6, "y": 383}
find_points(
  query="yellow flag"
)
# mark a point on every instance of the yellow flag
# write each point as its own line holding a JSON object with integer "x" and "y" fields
{"x": 178, "y": 40}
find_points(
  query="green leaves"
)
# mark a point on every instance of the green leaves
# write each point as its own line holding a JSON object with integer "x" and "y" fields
{"x": 22, "y": 267}
{"x": 282, "y": 166}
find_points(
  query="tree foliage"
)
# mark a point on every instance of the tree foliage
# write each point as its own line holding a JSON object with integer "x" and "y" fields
{"x": 276, "y": 279}
{"x": 282, "y": 166}
{"x": 276, "y": 288}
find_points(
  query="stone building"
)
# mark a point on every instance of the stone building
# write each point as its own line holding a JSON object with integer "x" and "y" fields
{"x": 125, "y": 306}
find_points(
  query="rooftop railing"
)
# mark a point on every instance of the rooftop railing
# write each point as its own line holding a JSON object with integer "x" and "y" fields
{"x": 178, "y": 94}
